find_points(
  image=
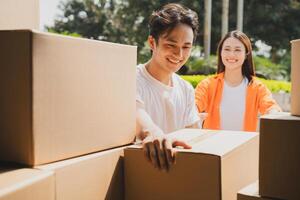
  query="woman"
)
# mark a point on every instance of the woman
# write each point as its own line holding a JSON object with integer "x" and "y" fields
{"x": 234, "y": 98}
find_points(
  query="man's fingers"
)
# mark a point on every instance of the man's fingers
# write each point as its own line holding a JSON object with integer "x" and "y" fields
{"x": 203, "y": 115}
{"x": 160, "y": 154}
{"x": 153, "y": 155}
{"x": 178, "y": 143}
{"x": 143, "y": 134}
{"x": 146, "y": 148}
{"x": 146, "y": 151}
{"x": 159, "y": 151}
{"x": 167, "y": 146}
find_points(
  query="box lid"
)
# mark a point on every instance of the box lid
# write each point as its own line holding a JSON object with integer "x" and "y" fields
{"x": 214, "y": 142}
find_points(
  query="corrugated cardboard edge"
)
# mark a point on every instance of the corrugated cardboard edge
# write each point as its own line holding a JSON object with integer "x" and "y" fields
{"x": 32, "y": 154}
{"x": 22, "y": 153}
{"x": 24, "y": 183}
{"x": 295, "y": 78}
{"x": 34, "y": 31}
{"x": 254, "y": 140}
{"x": 296, "y": 40}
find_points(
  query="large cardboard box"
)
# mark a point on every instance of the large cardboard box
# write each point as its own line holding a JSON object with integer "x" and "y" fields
{"x": 295, "y": 77}
{"x": 63, "y": 97}
{"x": 217, "y": 167}
{"x": 26, "y": 184}
{"x": 19, "y": 14}
{"x": 250, "y": 193}
{"x": 96, "y": 176}
{"x": 279, "y": 166}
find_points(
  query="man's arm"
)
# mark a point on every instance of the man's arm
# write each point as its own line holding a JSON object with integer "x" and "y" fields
{"x": 157, "y": 146}
{"x": 145, "y": 123}
{"x": 199, "y": 124}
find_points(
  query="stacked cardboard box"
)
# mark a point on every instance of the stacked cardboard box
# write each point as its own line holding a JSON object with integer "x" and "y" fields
{"x": 295, "y": 77}
{"x": 95, "y": 176}
{"x": 279, "y": 168}
{"x": 217, "y": 167}
{"x": 19, "y": 14}
{"x": 251, "y": 193}
{"x": 26, "y": 184}
{"x": 279, "y": 160}
{"x": 63, "y": 97}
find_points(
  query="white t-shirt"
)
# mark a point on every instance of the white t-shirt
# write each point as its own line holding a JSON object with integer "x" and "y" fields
{"x": 170, "y": 108}
{"x": 232, "y": 108}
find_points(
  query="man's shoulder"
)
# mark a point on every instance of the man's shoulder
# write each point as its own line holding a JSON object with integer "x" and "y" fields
{"x": 183, "y": 83}
{"x": 139, "y": 69}
{"x": 140, "y": 74}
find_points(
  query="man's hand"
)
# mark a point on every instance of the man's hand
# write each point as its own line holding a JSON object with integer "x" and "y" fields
{"x": 202, "y": 116}
{"x": 158, "y": 150}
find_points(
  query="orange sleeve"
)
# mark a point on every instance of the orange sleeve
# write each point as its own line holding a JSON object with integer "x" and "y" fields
{"x": 266, "y": 101}
{"x": 201, "y": 95}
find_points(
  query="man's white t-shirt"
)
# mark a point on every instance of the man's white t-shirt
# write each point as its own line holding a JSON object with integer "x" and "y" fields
{"x": 170, "y": 108}
{"x": 233, "y": 104}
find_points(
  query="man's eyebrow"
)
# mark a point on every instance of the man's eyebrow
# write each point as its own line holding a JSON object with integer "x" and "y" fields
{"x": 174, "y": 41}
{"x": 171, "y": 40}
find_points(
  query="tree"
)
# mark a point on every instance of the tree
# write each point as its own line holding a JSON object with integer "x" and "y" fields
{"x": 275, "y": 22}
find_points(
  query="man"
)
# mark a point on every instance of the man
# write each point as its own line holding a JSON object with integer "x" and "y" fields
{"x": 165, "y": 102}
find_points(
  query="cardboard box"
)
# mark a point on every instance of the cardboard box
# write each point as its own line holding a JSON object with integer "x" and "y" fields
{"x": 279, "y": 167}
{"x": 217, "y": 167}
{"x": 19, "y": 14}
{"x": 26, "y": 184}
{"x": 295, "y": 77}
{"x": 63, "y": 97}
{"x": 251, "y": 193}
{"x": 92, "y": 177}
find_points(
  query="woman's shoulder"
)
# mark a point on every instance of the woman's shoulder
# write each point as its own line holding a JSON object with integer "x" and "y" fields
{"x": 211, "y": 80}
{"x": 258, "y": 85}
{"x": 255, "y": 82}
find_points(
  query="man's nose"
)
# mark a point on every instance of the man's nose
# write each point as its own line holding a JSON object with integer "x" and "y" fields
{"x": 179, "y": 53}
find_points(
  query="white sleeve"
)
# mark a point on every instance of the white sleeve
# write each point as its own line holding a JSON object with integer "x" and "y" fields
{"x": 145, "y": 122}
{"x": 142, "y": 117}
{"x": 139, "y": 92}
{"x": 191, "y": 116}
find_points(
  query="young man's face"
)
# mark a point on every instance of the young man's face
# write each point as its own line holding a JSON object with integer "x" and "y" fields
{"x": 173, "y": 49}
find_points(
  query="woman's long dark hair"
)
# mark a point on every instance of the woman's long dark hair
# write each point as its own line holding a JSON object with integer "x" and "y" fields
{"x": 248, "y": 65}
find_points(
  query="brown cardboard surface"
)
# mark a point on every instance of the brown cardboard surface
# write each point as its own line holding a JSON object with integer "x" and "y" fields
{"x": 250, "y": 193}
{"x": 63, "y": 97}
{"x": 96, "y": 176}
{"x": 19, "y": 14}
{"x": 217, "y": 167}
{"x": 26, "y": 184}
{"x": 279, "y": 174}
{"x": 295, "y": 77}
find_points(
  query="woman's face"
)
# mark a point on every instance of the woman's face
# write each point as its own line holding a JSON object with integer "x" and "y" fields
{"x": 233, "y": 54}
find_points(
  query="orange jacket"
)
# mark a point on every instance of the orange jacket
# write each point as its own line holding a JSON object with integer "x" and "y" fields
{"x": 209, "y": 94}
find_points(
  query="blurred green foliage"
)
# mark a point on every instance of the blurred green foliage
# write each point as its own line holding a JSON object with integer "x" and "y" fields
{"x": 273, "y": 85}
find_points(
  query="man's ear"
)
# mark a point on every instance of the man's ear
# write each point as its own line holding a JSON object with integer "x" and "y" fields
{"x": 151, "y": 42}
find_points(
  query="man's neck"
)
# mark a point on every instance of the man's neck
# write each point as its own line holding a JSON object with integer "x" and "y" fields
{"x": 158, "y": 73}
{"x": 234, "y": 77}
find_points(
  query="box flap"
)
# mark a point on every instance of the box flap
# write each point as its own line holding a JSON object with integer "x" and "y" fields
{"x": 250, "y": 190}
{"x": 294, "y": 41}
{"x": 212, "y": 142}
{"x": 280, "y": 116}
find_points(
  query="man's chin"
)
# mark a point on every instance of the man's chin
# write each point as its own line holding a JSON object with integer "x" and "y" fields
{"x": 175, "y": 68}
